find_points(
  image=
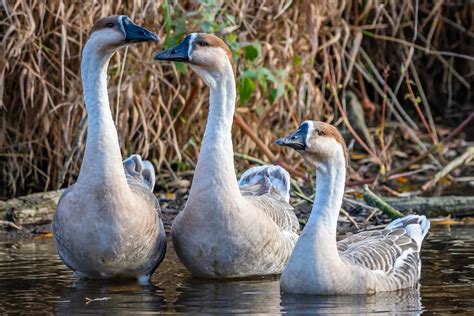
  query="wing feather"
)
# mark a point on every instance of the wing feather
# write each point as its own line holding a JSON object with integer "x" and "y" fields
{"x": 140, "y": 170}
{"x": 265, "y": 179}
{"x": 393, "y": 250}
{"x": 267, "y": 187}
{"x": 279, "y": 211}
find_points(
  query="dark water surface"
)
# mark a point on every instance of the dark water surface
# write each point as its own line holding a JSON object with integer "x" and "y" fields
{"x": 33, "y": 280}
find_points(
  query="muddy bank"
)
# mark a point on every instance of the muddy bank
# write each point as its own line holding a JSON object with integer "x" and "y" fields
{"x": 30, "y": 216}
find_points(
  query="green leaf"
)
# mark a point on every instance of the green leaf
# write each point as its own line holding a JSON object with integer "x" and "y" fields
{"x": 180, "y": 67}
{"x": 280, "y": 90}
{"x": 249, "y": 73}
{"x": 246, "y": 87}
{"x": 297, "y": 60}
{"x": 232, "y": 37}
{"x": 167, "y": 18}
{"x": 262, "y": 80}
{"x": 265, "y": 72}
{"x": 231, "y": 18}
{"x": 272, "y": 96}
{"x": 368, "y": 33}
{"x": 180, "y": 165}
{"x": 251, "y": 52}
{"x": 282, "y": 73}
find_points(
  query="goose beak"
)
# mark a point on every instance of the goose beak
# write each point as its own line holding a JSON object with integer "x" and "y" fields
{"x": 297, "y": 140}
{"x": 137, "y": 34}
{"x": 178, "y": 53}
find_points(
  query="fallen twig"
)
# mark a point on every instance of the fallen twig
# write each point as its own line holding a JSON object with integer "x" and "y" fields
{"x": 349, "y": 217}
{"x": 466, "y": 157}
{"x": 98, "y": 299}
{"x": 249, "y": 158}
{"x": 435, "y": 147}
{"x": 434, "y": 206}
{"x": 374, "y": 200}
{"x": 30, "y": 209}
{"x": 11, "y": 225}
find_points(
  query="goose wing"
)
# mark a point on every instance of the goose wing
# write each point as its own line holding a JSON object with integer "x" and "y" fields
{"x": 140, "y": 170}
{"x": 268, "y": 187}
{"x": 391, "y": 250}
{"x": 140, "y": 176}
{"x": 267, "y": 179}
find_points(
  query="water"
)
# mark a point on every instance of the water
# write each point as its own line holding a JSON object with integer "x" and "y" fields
{"x": 33, "y": 280}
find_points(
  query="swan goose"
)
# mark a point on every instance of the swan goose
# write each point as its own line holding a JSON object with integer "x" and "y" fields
{"x": 364, "y": 263}
{"x": 229, "y": 229}
{"x": 108, "y": 224}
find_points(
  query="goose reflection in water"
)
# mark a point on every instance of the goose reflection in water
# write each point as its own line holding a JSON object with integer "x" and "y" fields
{"x": 99, "y": 297}
{"x": 398, "y": 302}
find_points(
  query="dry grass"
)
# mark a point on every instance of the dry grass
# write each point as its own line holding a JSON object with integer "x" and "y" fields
{"x": 317, "y": 51}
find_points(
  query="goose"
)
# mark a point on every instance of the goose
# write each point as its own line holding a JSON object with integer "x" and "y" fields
{"x": 229, "y": 229}
{"x": 364, "y": 263}
{"x": 108, "y": 224}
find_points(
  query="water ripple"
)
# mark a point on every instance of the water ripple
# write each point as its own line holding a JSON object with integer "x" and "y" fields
{"x": 33, "y": 280}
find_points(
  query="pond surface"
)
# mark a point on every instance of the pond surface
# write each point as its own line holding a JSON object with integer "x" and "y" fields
{"x": 33, "y": 280}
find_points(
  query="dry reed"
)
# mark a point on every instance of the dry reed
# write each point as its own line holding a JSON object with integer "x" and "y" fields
{"x": 315, "y": 51}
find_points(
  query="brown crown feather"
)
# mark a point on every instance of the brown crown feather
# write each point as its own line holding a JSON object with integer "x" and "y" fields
{"x": 102, "y": 24}
{"x": 215, "y": 41}
{"x": 329, "y": 130}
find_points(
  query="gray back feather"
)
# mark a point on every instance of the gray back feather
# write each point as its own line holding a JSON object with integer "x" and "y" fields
{"x": 265, "y": 179}
{"x": 141, "y": 170}
{"x": 140, "y": 176}
{"x": 268, "y": 188}
{"x": 393, "y": 250}
{"x": 278, "y": 210}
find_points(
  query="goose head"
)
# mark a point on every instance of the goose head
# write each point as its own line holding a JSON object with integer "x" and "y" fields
{"x": 206, "y": 54}
{"x": 113, "y": 32}
{"x": 319, "y": 143}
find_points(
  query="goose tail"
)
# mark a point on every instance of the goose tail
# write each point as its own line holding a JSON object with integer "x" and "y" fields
{"x": 416, "y": 226}
{"x": 269, "y": 178}
{"x": 141, "y": 170}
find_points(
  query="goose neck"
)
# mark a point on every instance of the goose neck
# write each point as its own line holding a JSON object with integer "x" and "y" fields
{"x": 102, "y": 163}
{"x": 330, "y": 183}
{"x": 215, "y": 169}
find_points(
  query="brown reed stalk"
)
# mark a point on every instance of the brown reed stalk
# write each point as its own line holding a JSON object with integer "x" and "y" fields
{"x": 162, "y": 110}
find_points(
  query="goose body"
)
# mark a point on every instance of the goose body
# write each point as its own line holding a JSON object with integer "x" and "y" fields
{"x": 364, "y": 263}
{"x": 108, "y": 224}
{"x": 229, "y": 229}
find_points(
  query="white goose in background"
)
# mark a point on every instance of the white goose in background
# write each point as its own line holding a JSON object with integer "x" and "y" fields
{"x": 108, "y": 224}
{"x": 229, "y": 229}
{"x": 364, "y": 263}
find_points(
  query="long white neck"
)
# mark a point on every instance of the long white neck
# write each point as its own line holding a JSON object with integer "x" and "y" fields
{"x": 102, "y": 164}
{"x": 322, "y": 224}
{"x": 215, "y": 166}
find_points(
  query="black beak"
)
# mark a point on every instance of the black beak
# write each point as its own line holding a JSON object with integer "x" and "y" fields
{"x": 297, "y": 140}
{"x": 137, "y": 34}
{"x": 178, "y": 53}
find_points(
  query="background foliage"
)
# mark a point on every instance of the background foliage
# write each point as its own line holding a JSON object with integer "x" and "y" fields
{"x": 407, "y": 65}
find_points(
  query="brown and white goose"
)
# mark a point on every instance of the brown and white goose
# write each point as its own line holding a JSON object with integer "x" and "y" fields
{"x": 229, "y": 229}
{"x": 108, "y": 224}
{"x": 368, "y": 262}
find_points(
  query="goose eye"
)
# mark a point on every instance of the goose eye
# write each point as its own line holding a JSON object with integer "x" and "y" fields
{"x": 203, "y": 43}
{"x": 109, "y": 25}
